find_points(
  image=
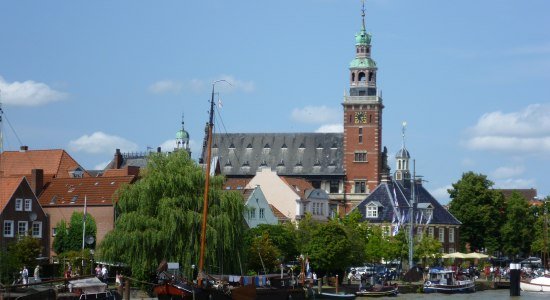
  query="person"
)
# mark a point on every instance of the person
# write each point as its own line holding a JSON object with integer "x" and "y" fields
{"x": 25, "y": 275}
{"x": 98, "y": 271}
{"x": 37, "y": 273}
{"x": 314, "y": 278}
{"x": 104, "y": 273}
{"x": 118, "y": 281}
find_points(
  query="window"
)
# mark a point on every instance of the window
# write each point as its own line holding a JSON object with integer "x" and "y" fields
{"x": 22, "y": 228}
{"x": 8, "y": 228}
{"x": 28, "y": 204}
{"x": 451, "y": 250}
{"x": 360, "y": 130}
{"x": 54, "y": 231}
{"x": 451, "y": 235}
{"x": 321, "y": 209}
{"x": 372, "y": 211}
{"x": 431, "y": 232}
{"x": 253, "y": 213}
{"x": 37, "y": 229}
{"x": 442, "y": 234}
{"x": 360, "y": 139}
{"x": 361, "y": 156}
{"x": 18, "y": 204}
{"x": 334, "y": 186}
{"x": 262, "y": 215}
{"x": 419, "y": 232}
{"x": 360, "y": 187}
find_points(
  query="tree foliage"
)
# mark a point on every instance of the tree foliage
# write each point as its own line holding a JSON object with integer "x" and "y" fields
{"x": 426, "y": 248}
{"x": 328, "y": 247}
{"x": 517, "y": 231}
{"x": 160, "y": 218}
{"x": 540, "y": 241}
{"x": 282, "y": 236}
{"x": 480, "y": 209}
{"x": 69, "y": 238}
{"x": 263, "y": 255}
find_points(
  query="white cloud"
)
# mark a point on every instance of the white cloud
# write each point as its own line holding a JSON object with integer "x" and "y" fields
{"x": 168, "y": 146}
{"x": 165, "y": 86}
{"x": 101, "y": 165}
{"x": 526, "y": 131}
{"x": 28, "y": 93}
{"x": 441, "y": 194}
{"x": 515, "y": 183}
{"x": 99, "y": 142}
{"x": 316, "y": 114}
{"x": 330, "y": 128}
{"x": 236, "y": 84}
{"x": 507, "y": 172}
{"x": 468, "y": 162}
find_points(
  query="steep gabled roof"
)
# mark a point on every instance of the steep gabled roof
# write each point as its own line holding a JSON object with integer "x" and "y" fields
{"x": 395, "y": 198}
{"x": 290, "y": 154}
{"x": 71, "y": 191}
{"x": 298, "y": 185}
{"x": 55, "y": 163}
{"x": 8, "y": 186}
{"x": 528, "y": 194}
{"x": 278, "y": 214}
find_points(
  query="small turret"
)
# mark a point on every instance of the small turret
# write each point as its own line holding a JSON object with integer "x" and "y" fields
{"x": 402, "y": 158}
{"x": 182, "y": 138}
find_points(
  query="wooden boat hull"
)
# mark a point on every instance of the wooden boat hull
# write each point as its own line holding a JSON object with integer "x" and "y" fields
{"x": 334, "y": 296}
{"x": 468, "y": 287}
{"x": 249, "y": 292}
{"x": 380, "y": 293}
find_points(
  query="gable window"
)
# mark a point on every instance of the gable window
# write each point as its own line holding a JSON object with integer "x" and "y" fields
{"x": 22, "y": 228}
{"x": 262, "y": 214}
{"x": 372, "y": 211}
{"x": 8, "y": 228}
{"x": 28, "y": 204}
{"x": 360, "y": 187}
{"x": 442, "y": 234}
{"x": 253, "y": 213}
{"x": 18, "y": 204}
{"x": 37, "y": 229}
{"x": 361, "y": 156}
{"x": 451, "y": 235}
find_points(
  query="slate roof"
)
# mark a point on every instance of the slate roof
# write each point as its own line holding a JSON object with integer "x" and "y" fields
{"x": 290, "y": 154}
{"x": 55, "y": 163}
{"x": 8, "y": 186}
{"x": 134, "y": 159}
{"x": 97, "y": 190}
{"x": 385, "y": 195}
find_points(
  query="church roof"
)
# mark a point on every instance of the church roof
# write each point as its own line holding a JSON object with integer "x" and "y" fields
{"x": 402, "y": 153}
{"x": 393, "y": 194}
{"x": 290, "y": 154}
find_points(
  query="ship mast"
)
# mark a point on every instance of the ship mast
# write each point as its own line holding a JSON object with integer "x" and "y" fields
{"x": 207, "y": 184}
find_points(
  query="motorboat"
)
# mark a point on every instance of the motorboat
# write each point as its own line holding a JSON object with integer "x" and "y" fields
{"x": 448, "y": 282}
{"x": 378, "y": 291}
{"x": 538, "y": 284}
{"x": 340, "y": 295}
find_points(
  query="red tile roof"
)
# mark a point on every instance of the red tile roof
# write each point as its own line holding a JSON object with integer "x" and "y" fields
{"x": 8, "y": 186}
{"x": 299, "y": 185}
{"x": 528, "y": 194}
{"x": 97, "y": 190}
{"x": 278, "y": 214}
{"x": 55, "y": 163}
{"x": 235, "y": 183}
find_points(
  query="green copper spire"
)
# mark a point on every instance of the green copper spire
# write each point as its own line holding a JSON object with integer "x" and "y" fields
{"x": 363, "y": 38}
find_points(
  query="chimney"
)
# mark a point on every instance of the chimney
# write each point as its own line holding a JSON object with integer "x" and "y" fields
{"x": 117, "y": 160}
{"x": 23, "y": 148}
{"x": 37, "y": 181}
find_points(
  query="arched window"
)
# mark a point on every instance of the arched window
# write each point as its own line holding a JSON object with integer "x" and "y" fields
{"x": 371, "y": 75}
{"x": 352, "y": 77}
{"x": 361, "y": 76}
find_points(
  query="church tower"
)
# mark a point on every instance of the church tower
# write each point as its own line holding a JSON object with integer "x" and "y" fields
{"x": 182, "y": 139}
{"x": 363, "y": 106}
{"x": 402, "y": 172}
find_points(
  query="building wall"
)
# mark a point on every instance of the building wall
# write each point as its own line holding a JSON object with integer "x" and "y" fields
{"x": 103, "y": 216}
{"x": 277, "y": 192}
{"x": 257, "y": 201}
{"x": 9, "y": 213}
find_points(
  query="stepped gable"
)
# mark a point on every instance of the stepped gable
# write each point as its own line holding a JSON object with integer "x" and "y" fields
{"x": 290, "y": 154}
{"x": 71, "y": 191}
{"x": 8, "y": 186}
{"x": 384, "y": 195}
{"x": 55, "y": 163}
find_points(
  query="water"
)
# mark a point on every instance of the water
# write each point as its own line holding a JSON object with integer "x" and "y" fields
{"x": 488, "y": 294}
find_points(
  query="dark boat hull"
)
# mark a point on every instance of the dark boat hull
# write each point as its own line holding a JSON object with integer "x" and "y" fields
{"x": 174, "y": 292}
{"x": 450, "y": 289}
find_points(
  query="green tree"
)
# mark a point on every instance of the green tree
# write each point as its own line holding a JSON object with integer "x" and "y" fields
{"x": 263, "y": 255}
{"x": 541, "y": 240}
{"x": 282, "y": 236}
{"x": 375, "y": 249}
{"x": 517, "y": 231}
{"x": 328, "y": 248}
{"x": 160, "y": 218}
{"x": 357, "y": 235}
{"x": 427, "y": 249}
{"x": 69, "y": 238}
{"x": 480, "y": 209}
{"x": 21, "y": 253}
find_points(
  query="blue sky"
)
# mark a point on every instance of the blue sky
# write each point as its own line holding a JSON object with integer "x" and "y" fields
{"x": 471, "y": 78}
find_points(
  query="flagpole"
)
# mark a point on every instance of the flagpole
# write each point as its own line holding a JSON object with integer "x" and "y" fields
{"x": 84, "y": 224}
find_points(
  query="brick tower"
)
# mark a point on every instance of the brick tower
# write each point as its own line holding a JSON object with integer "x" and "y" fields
{"x": 363, "y": 162}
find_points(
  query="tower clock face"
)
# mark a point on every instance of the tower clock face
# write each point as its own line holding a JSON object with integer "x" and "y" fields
{"x": 360, "y": 118}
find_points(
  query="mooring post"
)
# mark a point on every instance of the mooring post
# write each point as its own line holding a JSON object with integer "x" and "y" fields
{"x": 127, "y": 289}
{"x": 515, "y": 274}
{"x": 336, "y": 283}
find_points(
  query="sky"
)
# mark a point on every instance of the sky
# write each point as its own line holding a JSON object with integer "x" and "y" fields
{"x": 471, "y": 78}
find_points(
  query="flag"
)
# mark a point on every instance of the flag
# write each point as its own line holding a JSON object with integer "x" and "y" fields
{"x": 395, "y": 197}
{"x": 220, "y": 104}
{"x": 430, "y": 218}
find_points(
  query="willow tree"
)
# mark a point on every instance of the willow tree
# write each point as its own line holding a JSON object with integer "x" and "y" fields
{"x": 160, "y": 216}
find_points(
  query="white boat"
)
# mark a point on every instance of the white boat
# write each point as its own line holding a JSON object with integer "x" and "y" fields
{"x": 446, "y": 281}
{"x": 539, "y": 284}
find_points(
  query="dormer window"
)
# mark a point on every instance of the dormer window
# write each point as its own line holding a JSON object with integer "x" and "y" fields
{"x": 232, "y": 146}
{"x": 77, "y": 173}
{"x": 73, "y": 199}
{"x": 266, "y": 146}
{"x": 249, "y": 146}
{"x": 302, "y": 146}
{"x": 371, "y": 209}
